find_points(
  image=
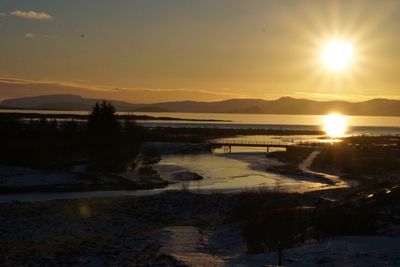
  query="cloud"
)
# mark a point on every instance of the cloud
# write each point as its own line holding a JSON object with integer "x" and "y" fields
{"x": 339, "y": 96}
{"x": 13, "y": 87}
{"x": 51, "y": 36}
{"x": 31, "y": 15}
{"x": 2, "y": 14}
{"x": 29, "y": 35}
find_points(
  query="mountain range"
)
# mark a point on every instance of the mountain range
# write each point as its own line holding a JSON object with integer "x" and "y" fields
{"x": 283, "y": 105}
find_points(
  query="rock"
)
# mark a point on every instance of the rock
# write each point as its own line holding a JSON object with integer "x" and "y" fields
{"x": 188, "y": 176}
{"x": 147, "y": 171}
{"x": 149, "y": 156}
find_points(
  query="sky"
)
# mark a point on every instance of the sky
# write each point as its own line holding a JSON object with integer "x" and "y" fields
{"x": 156, "y": 50}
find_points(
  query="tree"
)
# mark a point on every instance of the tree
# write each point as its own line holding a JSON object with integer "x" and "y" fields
{"x": 103, "y": 122}
{"x": 111, "y": 145}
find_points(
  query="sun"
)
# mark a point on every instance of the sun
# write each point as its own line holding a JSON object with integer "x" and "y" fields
{"x": 337, "y": 54}
{"x": 335, "y": 125}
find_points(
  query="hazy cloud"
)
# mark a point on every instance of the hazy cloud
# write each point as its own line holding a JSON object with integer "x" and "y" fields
{"x": 29, "y": 35}
{"x": 339, "y": 96}
{"x": 13, "y": 87}
{"x": 31, "y": 15}
{"x": 51, "y": 36}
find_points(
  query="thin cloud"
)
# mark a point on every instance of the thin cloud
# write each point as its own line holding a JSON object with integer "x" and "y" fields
{"x": 51, "y": 36}
{"x": 31, "y": 15}
{"x": 228, "y": 94}
{"x": 11, "y": 87}
{"x": 29, "y": 35}
{"x": 94, "y": 87}
{"x": 340, "y": 97}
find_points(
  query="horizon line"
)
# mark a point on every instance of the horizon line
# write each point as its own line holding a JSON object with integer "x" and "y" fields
{"x": 189, "y": 100}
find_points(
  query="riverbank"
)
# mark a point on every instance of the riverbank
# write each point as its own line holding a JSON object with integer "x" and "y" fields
{"x": 308, "y": 180}
{"x": 180, "y": 168}
{"x": 298, "y": 170}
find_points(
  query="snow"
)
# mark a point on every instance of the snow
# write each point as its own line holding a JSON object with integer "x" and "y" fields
{"x": 338, "y": 251}
{"x": 20, "y": 177}
{"x": 305, "y": 168}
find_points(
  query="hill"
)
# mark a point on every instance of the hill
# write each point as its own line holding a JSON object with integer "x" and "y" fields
{"x": 284, "y": 105}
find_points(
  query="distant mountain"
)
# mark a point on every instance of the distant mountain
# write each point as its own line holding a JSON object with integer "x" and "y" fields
{"x": 62, "y": 102}
{"x": 284, "y": 105}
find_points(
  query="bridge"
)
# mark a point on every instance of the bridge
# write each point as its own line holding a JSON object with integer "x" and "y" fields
{"x": 228, "y": 144}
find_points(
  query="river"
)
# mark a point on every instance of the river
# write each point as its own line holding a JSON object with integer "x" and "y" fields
{"x": 223, "y": 173}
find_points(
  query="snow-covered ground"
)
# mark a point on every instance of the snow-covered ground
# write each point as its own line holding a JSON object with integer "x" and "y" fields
{"x": 184, "y": 244}
{"x": 338, "y": 251}
{"x": 224, "y": 246}
{"x": 22, "y": 177}
{"x": 170, "y": 228}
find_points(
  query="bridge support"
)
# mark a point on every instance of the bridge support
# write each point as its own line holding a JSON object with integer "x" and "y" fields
{"x": 227, "y": 145}
{"x": 228, "y": 149}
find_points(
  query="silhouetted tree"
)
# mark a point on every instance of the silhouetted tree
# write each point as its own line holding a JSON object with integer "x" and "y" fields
{"x": 106, "y": 145}
{"x": 103, "y": 122}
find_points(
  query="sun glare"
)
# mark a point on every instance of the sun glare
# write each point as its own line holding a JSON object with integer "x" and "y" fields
{"x": 337, "y": 55}
{"x": 335, "y": 125}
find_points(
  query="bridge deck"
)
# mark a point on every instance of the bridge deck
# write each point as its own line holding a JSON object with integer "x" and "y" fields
{"x": 251, "y": 143}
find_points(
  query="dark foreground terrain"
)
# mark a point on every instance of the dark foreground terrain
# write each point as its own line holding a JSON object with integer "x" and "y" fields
{"x": 185, "y": 229}
{"x": 180, "y": 228}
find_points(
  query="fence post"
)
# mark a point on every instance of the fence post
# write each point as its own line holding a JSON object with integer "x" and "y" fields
{"x": 279, "y": 254}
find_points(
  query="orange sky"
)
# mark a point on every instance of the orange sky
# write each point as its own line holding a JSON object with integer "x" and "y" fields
{"x": 154, "y": 51}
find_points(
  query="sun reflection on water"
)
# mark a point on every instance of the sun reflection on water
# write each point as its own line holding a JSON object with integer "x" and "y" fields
{"x": 335, "y": 125}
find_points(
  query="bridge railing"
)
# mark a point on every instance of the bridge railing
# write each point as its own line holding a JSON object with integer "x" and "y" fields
{"x": 260, "y": 143}
{"x": 228, "y": 142}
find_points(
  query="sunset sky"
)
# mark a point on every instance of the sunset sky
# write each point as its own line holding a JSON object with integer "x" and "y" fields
{"x": 158, "y": 50}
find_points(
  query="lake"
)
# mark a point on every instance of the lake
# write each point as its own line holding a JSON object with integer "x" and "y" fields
{"x": 356, "y": 124}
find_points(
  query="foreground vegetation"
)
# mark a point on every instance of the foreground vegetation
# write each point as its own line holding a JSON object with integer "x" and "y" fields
{"x": 103, "y": 142}
{"x": 363, "y": 157}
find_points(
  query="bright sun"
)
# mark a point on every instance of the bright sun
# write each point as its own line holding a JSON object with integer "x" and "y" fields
{"x": 335, "y": 125}
{"x": 337, "y": 55}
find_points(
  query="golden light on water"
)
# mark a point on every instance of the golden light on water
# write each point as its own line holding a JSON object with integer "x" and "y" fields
{"x": 337, "y": 55}
{"x": 335, "y": 125}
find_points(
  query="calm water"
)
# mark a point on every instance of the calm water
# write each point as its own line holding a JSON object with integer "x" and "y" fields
{"x": 356, "y": 124}
{"x": 229, "y": 172}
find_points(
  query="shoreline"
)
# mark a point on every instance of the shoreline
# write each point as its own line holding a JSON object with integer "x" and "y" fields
{"x": 23, "y": 115}
{"x": 308, "y": 175}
